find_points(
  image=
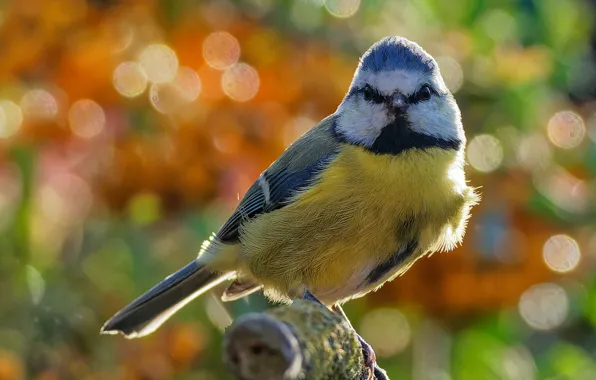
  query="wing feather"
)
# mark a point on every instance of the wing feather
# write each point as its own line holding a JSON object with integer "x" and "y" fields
{"x": 295, "y": 169}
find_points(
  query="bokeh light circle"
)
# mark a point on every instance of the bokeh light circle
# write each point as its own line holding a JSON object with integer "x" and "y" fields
{"x": 163, "y": 98}
{"x": 563, "y": 189}
{"x": 221, "y": 50}
{"x": 451, "y": 72}
{"x": 534, "y": 151}
{"x": 517, "y": 363}
{"x": 168, "y": 97}
{"x": 561, "y": 253}
{"x": 240, "y": 82}
{"x": 11, "y": 118}
{"x": 86, "y": 118}
{"x": 129, "y": 79}
{"x": 499, "y": 25}
{"x": 485, "y": 153}
{"x": 159, "y": 62}
{"x": 566, "y": 129}
{"x": 120, "y": 34}
{"x": 306, "y": 15}
{"x": 342, "y": 8}
{"x": 3, "y": 124}
{"x": 188, "y": 84}
{"x": 39, "y": 104}
{"x": 296, "y": 128}
{"x": 65, "y": 198}
{"x": 387, "y": 330}
{"x": 544, "y": 306}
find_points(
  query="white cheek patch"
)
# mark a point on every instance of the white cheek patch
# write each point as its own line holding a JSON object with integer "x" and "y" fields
{"x": 438, "y": 118}
{"x": 361, "y": 121}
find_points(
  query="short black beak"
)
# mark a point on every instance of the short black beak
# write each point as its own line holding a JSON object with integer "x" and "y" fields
{"x": 399, "y": 101}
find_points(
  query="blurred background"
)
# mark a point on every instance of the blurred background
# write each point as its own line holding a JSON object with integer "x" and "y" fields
{"x": 129, "y": 130}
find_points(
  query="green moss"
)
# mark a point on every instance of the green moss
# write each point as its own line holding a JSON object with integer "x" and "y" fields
{"x": 331, "y": 348}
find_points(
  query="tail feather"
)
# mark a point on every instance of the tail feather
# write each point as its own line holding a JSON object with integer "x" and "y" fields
{"x": 145, "y": 314}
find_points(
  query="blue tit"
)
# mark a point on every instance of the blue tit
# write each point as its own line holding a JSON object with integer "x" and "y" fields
{"x": 351, "y": 204}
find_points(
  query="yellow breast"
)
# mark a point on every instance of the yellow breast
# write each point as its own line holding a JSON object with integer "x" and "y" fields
{"x": 362, "y": 209}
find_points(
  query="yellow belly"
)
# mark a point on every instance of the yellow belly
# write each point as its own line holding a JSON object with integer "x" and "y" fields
{"x": 363, "y": 208}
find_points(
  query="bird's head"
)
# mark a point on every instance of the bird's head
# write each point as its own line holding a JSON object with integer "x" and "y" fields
{"x": 398, "y": 101}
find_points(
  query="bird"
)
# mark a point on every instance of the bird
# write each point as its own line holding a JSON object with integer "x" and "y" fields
{"x": 347, "y": 207}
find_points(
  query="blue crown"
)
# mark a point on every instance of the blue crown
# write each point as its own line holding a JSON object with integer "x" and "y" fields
{"x": 396, "y": 53}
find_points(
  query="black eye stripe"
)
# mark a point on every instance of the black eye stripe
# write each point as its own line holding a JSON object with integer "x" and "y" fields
{"x": 370, "y": 94}
{"x": 421, "y": 95}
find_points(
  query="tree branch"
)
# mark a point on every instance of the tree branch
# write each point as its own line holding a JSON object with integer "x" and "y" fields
{"x": 300, "y": 341}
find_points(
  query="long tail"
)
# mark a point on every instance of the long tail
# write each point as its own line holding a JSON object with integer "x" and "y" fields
{"x": 145, "y": 314}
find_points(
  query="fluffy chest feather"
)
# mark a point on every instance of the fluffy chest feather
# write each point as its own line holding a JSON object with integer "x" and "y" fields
{"x": 362, "y": 212}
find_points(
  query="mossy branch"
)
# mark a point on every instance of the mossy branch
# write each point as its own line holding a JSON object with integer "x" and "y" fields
{"x": 300, "y": 341}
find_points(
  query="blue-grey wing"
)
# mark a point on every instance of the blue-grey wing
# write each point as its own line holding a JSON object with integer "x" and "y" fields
{"x": 295, "y": 169}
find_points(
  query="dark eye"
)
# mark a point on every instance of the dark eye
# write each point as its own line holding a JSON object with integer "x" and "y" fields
{"x": 424, "y": 93}
{"x": 371, "y": 95}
